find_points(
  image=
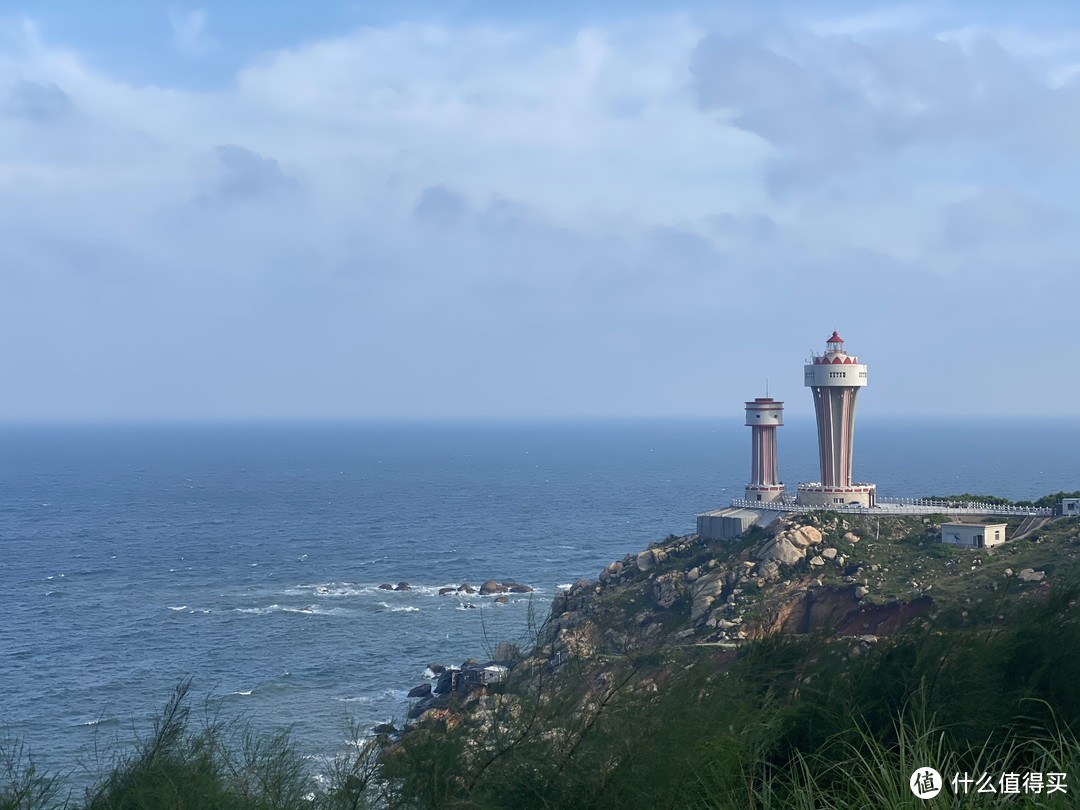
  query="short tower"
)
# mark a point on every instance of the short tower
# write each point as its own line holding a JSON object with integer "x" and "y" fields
{"x": 835, "y": 379}
{"x": 764, "y": 415}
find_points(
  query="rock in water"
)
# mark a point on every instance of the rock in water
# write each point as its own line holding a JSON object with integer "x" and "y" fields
{"x": 423, "y": 690}
{"x": 491, "y": 587}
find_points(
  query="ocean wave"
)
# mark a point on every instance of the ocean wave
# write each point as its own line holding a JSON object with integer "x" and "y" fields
{"x": 100, "y": 721}
{"x": 399, "y": 608}
{"x": 178, "y": 607}
{"x": 306, "y": 610}
{"x": 565, "y": 587}
{"x": 245, "y": 693}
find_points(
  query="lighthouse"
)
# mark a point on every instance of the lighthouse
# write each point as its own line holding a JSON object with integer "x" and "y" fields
{"x": 763, "y": 416}
{"x": 835, "y": 378}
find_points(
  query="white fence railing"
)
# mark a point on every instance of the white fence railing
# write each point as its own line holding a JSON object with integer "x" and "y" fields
{"x": 903, "y": 506}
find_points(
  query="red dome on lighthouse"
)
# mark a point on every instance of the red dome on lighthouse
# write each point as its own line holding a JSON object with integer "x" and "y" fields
{"x": 835, "y": 338}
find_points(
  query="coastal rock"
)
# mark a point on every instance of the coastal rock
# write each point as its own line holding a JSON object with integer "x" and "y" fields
{"x": 769, "y": 570}
{"x": 851, "y": 538}
{"x": 467, "y": 588}
{"x": 445, "y": 591}
{"x": 829, "y": 553}
{"x": 665, "y": 591}
{"x": 781, "y": 549}
{"x": 693, "y": 575}
{"x": 803, "y": 537}
{"x": 384, "y": 728}
{"x": 613, "y": 571}
{"x": 423, "y": 690}
{"x": 517, "y": 587}
{"x": 1031, "y": 575}
{"x": 816, "y": 560}
{"x": 386, "y": 586}
{"x": 704, "y": 592}
{"x": 646, "y": 560}
{"x": 502, "y": 600}
{"x": 861, "y": 591}
{"x": 403, "y": 586}
{"x": 492, "y": 587}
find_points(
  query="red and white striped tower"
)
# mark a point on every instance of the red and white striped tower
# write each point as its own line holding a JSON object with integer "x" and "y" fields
{"x": 764, "y": 415}
{"x": 835, "y": 379}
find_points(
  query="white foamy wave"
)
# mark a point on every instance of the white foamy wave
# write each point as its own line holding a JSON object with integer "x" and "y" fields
{"x": 399, "y": 608}
{"x": 178, "y": 607}
{"x": 565, "y": 587}
{"x": 244, "y": 693}
{"x": 100, "y": 721}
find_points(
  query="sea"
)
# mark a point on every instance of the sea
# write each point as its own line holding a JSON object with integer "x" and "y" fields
{"x": 248, "y": 557}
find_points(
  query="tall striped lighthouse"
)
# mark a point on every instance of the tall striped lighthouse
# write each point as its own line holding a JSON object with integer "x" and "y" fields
{"x": 835, "y": 379}
{"x": 764, "y": 415}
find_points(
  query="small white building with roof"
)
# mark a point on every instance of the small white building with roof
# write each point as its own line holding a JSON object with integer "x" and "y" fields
{"x": 973, "y": 535}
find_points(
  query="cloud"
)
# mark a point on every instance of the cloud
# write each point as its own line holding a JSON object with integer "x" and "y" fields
{"x": 528, "y": 221}
{"x": 243, "y": 174}
{"x": 190, "y": 36}
{"x": 833, "y": 104}
{"x": 995, "y": 216}
{"x": 39, "y": 103}
{"x": 440, "y": 205}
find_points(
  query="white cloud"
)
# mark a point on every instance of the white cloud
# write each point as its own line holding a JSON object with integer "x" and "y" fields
{"x": 190, "y": 36}
{"x": 521, "y": 222}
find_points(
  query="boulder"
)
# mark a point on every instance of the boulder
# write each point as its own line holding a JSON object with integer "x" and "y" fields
{"x": 492, "y": 587}
{"x": 769, "y": 570}
{"x": 646, "y": 560}
{"x": 423, "y": 690}
{"x": 816, "y": 560}
{"x": 861, "y": 592}
{"x": 445, "y": 591}
{"x": 829, "y": 553}
{"x": 386, "y": 586}
{"x": 781, "y": 549}
{"x": 384, "y": 728}
{"x": 693, "y": 575}
{"x": 1030, "y": 575}
{"x": 613, "y": 571}
{"x": 851, "y": 538}
{"x": 517, "y": 587}
{"x": 502, "y": 600}
{"x": 803, "y": 536}
{"x": 466, "y": 588}
{"x": 403, "y": 586}
{"x": 665, "y": 592}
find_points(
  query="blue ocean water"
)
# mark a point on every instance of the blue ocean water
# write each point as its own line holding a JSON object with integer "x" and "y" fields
{"x": 249, "y": 556}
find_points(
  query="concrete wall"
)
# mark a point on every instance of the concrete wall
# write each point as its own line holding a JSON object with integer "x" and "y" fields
{"x": 811, "y": 495}
{"x": 726, "y": 524}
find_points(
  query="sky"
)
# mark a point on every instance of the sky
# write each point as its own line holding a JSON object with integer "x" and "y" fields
{"x": 336, "y": 210}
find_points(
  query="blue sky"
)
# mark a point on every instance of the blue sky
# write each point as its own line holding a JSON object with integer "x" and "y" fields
{"x": 342, "y": 209}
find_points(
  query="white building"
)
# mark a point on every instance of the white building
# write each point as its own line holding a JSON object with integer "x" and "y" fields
{"x": 1070, "y": 507}
{"x": 973, "y": 535}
